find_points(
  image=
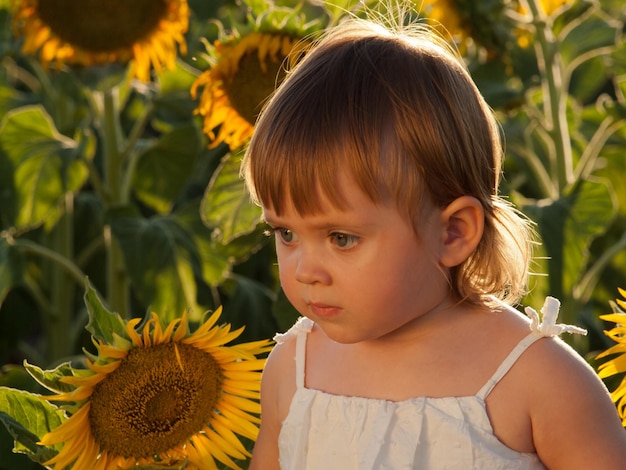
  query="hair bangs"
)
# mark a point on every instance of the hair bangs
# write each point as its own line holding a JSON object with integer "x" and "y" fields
{"x": 296, "y": 172}
{"x": 319, "y": 127}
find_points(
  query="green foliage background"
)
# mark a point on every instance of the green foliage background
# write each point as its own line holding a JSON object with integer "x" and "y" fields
{"x": 105, "y": 178}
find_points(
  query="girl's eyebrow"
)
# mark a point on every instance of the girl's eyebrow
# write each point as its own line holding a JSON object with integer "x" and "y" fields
{"x": 268, "y": 220}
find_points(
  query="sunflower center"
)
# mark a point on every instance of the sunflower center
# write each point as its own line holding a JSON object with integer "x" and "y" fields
{"x": 162, "y": 408}
{"x": 155, "y": 400}
{"x": 99, "y": 25}
{"x": 248, "y": 89}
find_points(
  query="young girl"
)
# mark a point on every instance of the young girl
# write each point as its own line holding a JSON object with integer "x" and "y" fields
{"x": 376, "y": 164}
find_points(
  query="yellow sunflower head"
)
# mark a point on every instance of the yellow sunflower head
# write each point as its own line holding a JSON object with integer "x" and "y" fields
{"x": 161, "y": 397}
{"x": 246, "y": 72}
{"x": 617, "y": 365}
{"x": 97, "y": 32}
{"x": 446, "y": 14}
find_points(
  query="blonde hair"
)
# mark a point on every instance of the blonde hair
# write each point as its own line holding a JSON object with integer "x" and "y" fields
{"x": 397, "y": 111}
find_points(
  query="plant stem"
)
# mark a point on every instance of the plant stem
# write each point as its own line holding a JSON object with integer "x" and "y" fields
{"x": 62, "y": 292}
{"x": 555, "y": 86}
{"x": 130, "y": 156}
{"x": 112, "y": 136}
{"x": 117, "y": 277}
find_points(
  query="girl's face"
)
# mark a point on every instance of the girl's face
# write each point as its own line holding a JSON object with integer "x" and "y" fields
{"x": 360, "y": 273}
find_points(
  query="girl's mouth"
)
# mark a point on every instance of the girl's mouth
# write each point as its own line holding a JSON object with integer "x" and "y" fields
{"x": 323, "y": 310}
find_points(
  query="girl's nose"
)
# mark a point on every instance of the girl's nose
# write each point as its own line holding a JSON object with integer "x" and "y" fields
{"x": 310, "y": 268}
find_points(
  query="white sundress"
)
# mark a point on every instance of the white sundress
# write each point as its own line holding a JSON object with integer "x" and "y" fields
{"x": 355, "y": 433}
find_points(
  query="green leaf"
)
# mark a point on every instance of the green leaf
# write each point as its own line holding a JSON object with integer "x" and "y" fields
{"x": 338, "y": 8}
{"x": 162, "y": 260}
{"x": 103, "y": 323}
{"x": 614, "y": 169}
{"x": 216, "y": 265}
{"x": 11, "y": 460}
{"x": 178, "y": 80}
{"x": 10, "y": 99}
{"x": 567, "y": 227}
{"x": 102, "y": 77}
{"x": 250, "y": 305}
{"x": 6, "y": 38}
{"x": 15, "y": 376}
{"x": 290, "y": 16}
{"x": 589, "y": 79}
{"x": 164, "y": 168}
{"x": 241, "y": 248}
{"x": 571, "y": 12}
{"x": 51, "y": 378}
{"x": 494, "y": 84}
{"x": 258, "y": 7}
{"x": 618, "y": 61}
{"x": 589, "y": 36}
{"x": 226, "y": 205}
{"x": 46, "y": 164}
{"x": 8, "y": 196}
{"x": 11, "y": 268}
{"x": 284, "y": 312}
{"x": 174, "y": 104}
{"x": 28, "y": 418}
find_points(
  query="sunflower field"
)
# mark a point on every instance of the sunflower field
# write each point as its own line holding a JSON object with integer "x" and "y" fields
{"x": 126, "y": 233}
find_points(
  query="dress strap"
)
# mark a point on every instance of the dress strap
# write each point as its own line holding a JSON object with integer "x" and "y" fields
{"x": 540, "y": 328}
{"x": 300, "y": 331}
{"x": 300, "y": 358}
{"x": 508, "y": 362}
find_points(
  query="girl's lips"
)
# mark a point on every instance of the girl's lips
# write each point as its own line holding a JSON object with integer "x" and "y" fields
{"x": 324, "y": 311}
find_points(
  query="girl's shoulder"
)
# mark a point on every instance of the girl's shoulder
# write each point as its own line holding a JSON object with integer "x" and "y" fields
{"x": 574, "y": 420}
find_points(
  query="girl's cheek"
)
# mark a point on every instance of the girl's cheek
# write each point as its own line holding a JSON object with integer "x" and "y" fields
{"x": 285, "y": 271}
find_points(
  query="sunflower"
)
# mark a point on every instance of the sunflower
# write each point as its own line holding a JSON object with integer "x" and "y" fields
{"x": 98, "y": 32}
{"x": 162, "y": 397}
{"x": 245, "y": 74}
{"x": 617, "y": 365}
{"x": 446, "y": 14}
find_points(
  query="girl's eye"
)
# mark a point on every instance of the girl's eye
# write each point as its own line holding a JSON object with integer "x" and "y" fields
{"x": 286, "y": 235}
{"x": 343, "y": 240}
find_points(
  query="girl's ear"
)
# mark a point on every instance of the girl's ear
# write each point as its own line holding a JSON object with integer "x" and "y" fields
{"x": 464, "y": 221}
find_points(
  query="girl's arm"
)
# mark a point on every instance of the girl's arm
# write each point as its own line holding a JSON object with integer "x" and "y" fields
{"x": 575, "y": 423}
{"x": 277, "y": 388}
